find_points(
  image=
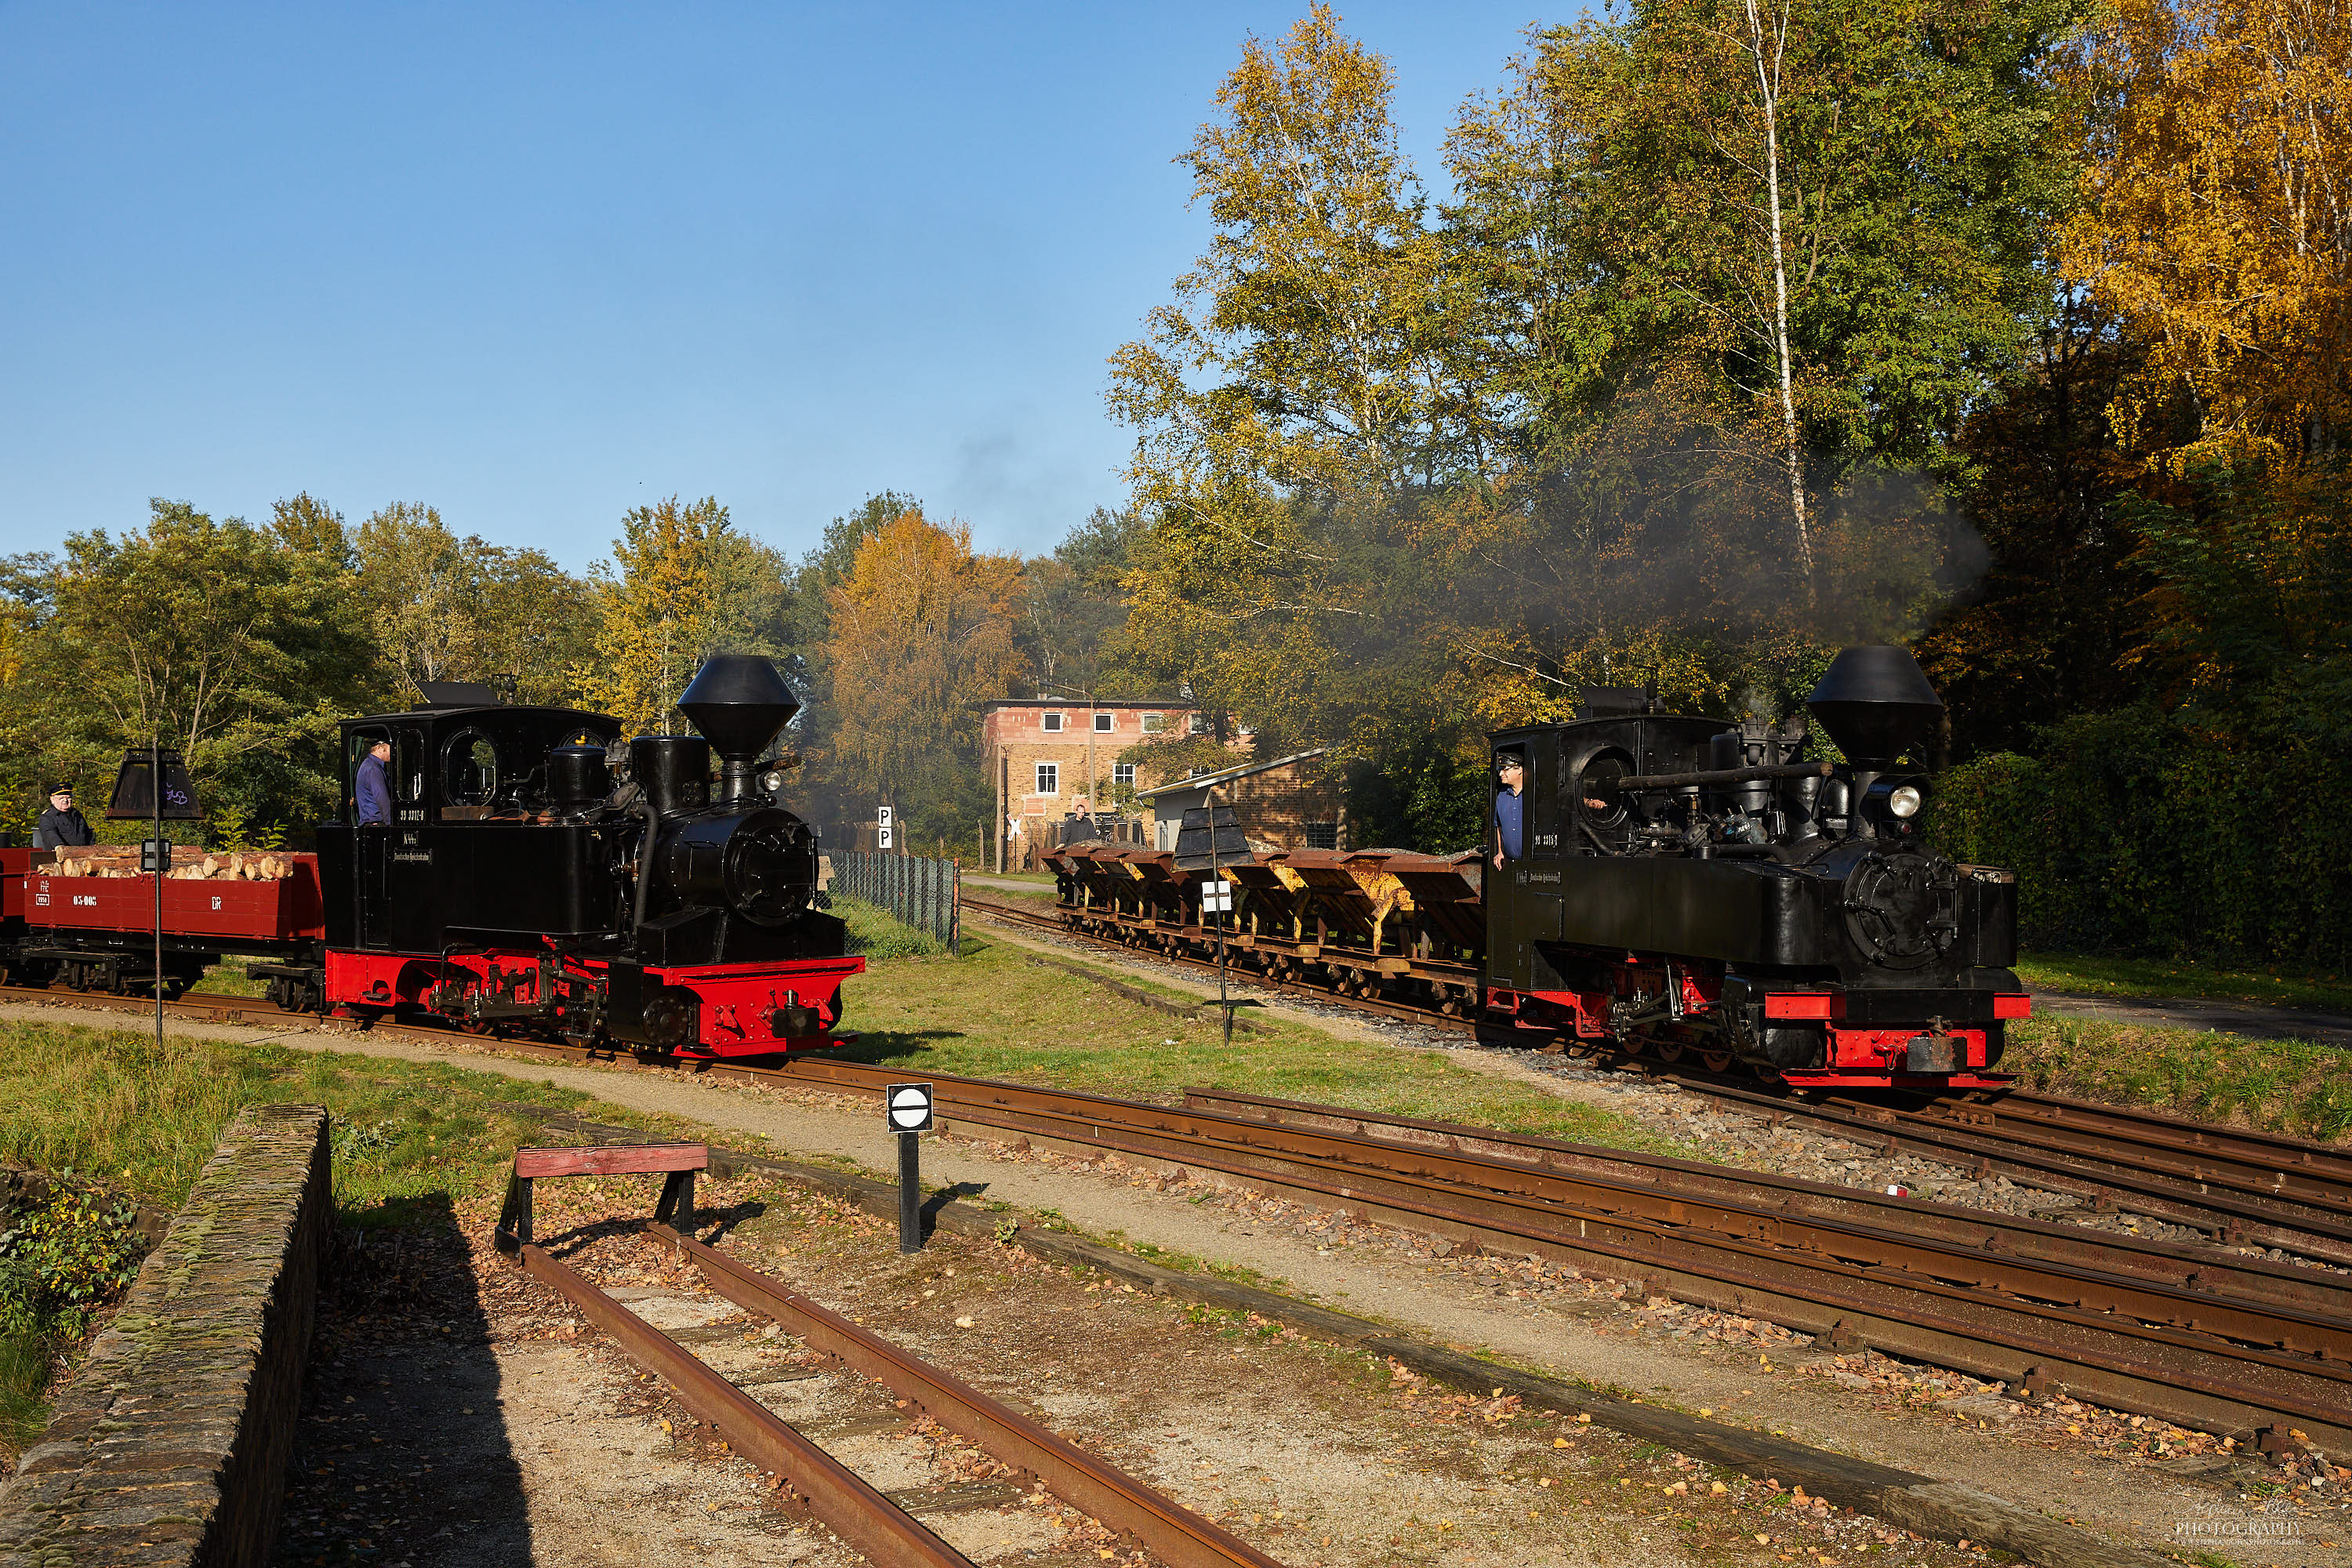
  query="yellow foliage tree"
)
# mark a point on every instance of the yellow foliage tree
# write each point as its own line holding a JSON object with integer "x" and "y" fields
{"x": 922, "y": 632}
{"x": 659, "y": 598}
{"x": 2217, "y": 224}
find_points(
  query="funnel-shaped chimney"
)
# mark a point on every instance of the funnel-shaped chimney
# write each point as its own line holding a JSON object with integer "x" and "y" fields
{"x": 1875, "y": 704}
{"x": 738, "y": 702}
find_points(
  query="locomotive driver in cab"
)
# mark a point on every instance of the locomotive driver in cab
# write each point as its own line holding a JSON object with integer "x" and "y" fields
{"x": 1510, "y": 805}
{"x": 372, "y": 788}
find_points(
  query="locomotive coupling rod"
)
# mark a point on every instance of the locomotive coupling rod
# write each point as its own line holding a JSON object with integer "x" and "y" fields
{"x": 1727, "y": 777}
{"x": 1167, "y": 1528}
{"x": 832, "y": 1492}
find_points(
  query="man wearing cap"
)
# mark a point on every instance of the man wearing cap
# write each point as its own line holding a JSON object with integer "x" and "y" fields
{"x": 1510, "y": 805}
{"x": 61, "y": 824}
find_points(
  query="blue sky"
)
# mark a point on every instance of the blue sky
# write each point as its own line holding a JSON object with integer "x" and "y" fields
{"x": 535, "y": 264}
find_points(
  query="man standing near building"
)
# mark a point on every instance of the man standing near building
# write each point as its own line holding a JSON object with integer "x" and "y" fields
{"x": 61, "y": 824}
{"x": 1511, "y": 806}
{"x": 374, "y": 789}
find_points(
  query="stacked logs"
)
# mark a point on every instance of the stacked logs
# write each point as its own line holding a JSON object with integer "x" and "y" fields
{"x": 189, "y": 864}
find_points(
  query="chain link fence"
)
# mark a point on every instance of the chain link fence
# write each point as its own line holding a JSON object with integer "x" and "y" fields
{"x": 921, "y": 891}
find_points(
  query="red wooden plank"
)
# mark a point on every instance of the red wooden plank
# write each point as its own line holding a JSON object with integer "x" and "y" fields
{"x": 612, "y": 1160}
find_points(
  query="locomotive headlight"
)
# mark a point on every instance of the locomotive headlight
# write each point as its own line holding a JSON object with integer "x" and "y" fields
{"x": 1904, "y": 800}
{"x": 772, "y": 782}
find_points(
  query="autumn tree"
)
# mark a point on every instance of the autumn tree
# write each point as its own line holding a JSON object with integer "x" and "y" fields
{"x": 2218, "y": 219}
{"x": 1295, "y": 405}
{"x": 922, "y": 632}
{"x": 659, "y": 612}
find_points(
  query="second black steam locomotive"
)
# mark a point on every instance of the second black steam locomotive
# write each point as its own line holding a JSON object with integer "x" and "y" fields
{"x": 1682, "y": 886}
{"x": 1697, "y": 888}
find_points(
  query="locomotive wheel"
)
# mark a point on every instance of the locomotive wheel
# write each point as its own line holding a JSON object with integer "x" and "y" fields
{"x": 1716, "y": 1061}
{"x": 1670, "y": 1050}
{"x": 78, "y": 977}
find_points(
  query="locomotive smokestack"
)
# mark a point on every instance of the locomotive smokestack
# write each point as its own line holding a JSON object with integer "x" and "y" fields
{"x": 1876, "y": 703}
{"x": 738, "y": 702}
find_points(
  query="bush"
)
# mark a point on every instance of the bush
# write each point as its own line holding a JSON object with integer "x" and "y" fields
{"x": 2146, "y": 833}
{"x": 67, "y": 1257}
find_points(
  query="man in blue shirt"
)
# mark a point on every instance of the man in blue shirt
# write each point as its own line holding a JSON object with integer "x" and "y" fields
{"x": 374, "y": 789}
{"x": 1510, "y": 805}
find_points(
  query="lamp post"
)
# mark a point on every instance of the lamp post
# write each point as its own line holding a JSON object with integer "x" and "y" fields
{"x": 165, "y": 799}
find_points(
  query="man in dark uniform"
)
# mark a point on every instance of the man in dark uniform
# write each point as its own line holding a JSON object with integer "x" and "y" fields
{"x": 61, "y": 824}
{"x": 1510, "y": 805}
{"x": 374, "y": 789}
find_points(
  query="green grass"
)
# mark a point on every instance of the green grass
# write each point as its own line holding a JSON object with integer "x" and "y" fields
{"x": 994, "y": 1014}
{"x": 2179, "y": 977}
{"x": 875, "y": 932}
{"x": 411, "y": 1139}
{"x": 2279, "y": 1086}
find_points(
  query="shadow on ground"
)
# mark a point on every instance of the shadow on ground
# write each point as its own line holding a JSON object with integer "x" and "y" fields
{"x": 402, "y": 1456}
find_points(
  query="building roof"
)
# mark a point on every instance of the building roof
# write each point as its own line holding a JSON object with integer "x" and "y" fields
{"x": 1203, "y": 780}
{"x": 1089, "y": 702}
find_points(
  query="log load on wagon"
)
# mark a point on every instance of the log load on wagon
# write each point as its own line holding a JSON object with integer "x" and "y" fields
{"x": 540, "y": 874}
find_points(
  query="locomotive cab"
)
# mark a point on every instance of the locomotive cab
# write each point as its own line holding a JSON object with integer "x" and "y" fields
{"x": 438, "y": 873}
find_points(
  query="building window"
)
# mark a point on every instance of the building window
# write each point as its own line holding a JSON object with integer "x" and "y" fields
{"x": 1200, "y": 723}
{"x": 1154, "y": 722}
{"x": 1123, "y": 774}
{"x": 1049, "y": 777}
{"x": 1102, "y": 723}
{"x": 1053, "y": 723}
{"x": 1322, "y": 835}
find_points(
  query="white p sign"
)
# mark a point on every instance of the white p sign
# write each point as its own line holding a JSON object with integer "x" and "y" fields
{"x": 882, "y": 816}
{"x": 909, "y": 1105}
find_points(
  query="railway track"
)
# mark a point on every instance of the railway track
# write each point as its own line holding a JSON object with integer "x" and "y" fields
{"x": 2239, "y": 1188}
{"x": 2199, "y": 1335}
{"x": 829, "y": 1491}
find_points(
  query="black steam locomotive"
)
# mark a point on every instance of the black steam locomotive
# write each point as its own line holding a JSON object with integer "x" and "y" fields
{"x": 1689, "y": 886}
{"x": 539, "y": 873}
{"x": 1682, "y": 887}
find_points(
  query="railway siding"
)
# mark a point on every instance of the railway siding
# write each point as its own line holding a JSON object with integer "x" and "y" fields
{"x": 170, "y": 1445}
{"x": 1916, "y": 1502}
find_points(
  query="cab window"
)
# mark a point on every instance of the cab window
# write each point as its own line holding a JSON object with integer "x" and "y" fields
{"x": 470, "y": 769}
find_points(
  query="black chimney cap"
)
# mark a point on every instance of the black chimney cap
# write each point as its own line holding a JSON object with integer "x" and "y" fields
{"x": 738, "y": 702}
{"x": 1876, "y": 703}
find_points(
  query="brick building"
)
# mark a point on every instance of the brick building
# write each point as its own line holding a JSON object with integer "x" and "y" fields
{"x": 1054, "y": 757}
{"x": 1288, "y": 803}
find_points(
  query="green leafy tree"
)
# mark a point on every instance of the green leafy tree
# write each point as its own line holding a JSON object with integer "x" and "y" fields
{"x": 659, "y": 605}
{"x": 213, "y": 638}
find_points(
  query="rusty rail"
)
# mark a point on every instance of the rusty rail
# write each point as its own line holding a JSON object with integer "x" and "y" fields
{"x": 2239, "y": 1187}
{"x": 1167, "y": 1530}
{"x": 2181, "y": 1349}
{"x": 827, "y": 1489}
